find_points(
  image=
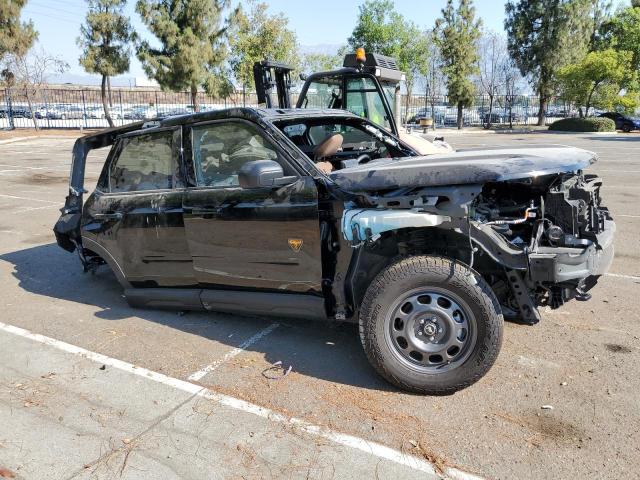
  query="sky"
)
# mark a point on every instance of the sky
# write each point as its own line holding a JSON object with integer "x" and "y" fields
{"x": 318, "y": 25}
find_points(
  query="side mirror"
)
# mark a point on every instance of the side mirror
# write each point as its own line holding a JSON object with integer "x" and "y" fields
{"x": 263, "y": 173}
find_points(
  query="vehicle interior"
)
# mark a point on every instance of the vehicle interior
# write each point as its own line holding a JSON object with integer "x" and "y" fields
{"x": 220, "y": 150}
{"x": 342, "y": 142}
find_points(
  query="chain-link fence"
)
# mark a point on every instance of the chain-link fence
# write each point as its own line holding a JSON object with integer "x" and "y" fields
{"x": 82, "y": 107}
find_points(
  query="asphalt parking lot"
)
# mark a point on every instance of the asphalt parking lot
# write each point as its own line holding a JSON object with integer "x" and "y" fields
{"x": 117, "y": 392}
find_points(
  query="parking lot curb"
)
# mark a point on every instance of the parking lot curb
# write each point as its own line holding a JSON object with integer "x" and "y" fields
{"x": 357, "y": 443}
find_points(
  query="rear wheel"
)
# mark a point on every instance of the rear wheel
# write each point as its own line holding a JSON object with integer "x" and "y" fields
{"x": 430, "y": 325}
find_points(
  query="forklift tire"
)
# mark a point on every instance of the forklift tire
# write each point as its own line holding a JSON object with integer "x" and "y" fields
{"x": 430, "y": 325}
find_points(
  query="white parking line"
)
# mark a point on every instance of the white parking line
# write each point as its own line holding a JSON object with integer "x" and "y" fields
{"x": 27, "y": 198}
{"x": 372, "y": 448}
{"x": 194, "y": 377}
{"x": 626, "y": 216}
{"x": 627, "y": 277}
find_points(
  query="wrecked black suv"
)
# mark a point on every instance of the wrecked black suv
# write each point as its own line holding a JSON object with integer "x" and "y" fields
{"x": 230, "y": 211}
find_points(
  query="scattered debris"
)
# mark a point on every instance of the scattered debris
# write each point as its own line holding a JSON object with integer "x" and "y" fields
{"x": 126, "y": 441}
{"x": 563, "y": 384}
{"x": 48, "y": 375}
{"x": 103, "y": 367}
{"x": 276, "y": 367}
{"x": 547, "y": 407}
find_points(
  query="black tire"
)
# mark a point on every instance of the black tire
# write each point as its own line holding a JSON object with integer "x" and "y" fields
{"x": 626, "y": 128}
{"x": 449, "y": 278}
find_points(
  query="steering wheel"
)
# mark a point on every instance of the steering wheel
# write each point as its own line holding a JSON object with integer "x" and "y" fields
{"x": 364, "y": 158}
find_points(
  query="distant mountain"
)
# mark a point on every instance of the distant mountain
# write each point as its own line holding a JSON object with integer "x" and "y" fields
{"x": 92, "y": 80}
{"x": 328, "y": 48}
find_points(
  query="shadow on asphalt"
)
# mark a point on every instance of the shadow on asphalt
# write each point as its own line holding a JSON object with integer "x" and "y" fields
{"x": 328, "y": 351}
{"x": 633, "y": 138}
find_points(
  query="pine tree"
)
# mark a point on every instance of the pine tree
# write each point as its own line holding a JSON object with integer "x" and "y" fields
{"x": 457, "y": 35}
{"x": 105, "y": 42}
{"x": 543, "y": 36}
{"x": 190, "y": 36}
{"x": 16, "y": 37}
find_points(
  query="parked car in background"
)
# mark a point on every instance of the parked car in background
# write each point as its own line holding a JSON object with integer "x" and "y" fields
{"x": 66, "y": 112}
{"x": 624, "y": 123}
{"x": 140, "y": 112}
{"x": 424, "y": 113}
{"x": 98, "y": 112}
{"x": 15, "y": 112}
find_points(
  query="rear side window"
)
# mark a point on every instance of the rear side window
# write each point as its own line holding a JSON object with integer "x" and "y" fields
{"x": 144, "y": 162}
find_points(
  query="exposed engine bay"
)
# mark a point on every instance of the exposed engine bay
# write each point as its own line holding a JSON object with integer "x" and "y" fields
{"x": 539, "y": 241}
{"x": 552, "y": 220}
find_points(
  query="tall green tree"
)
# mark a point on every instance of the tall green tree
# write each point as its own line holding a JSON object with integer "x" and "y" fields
{"x": 256, "y": 35}
{"x": 544, "y": 35}
{"x": 190, "y": 34}
{"x": 381, "y": 29}
{"x": 16, "y": 37}
{"x": 457, "y": 35}
{"x": 375, "y": 30}
{"x": 598, "y": 79}
{"x": 320, "y": 62}
{"x": 622, "y": 32}
{"x": 105, "y": 40}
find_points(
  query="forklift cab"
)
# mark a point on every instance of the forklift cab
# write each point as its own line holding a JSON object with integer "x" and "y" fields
{"x": 366, "y": 86}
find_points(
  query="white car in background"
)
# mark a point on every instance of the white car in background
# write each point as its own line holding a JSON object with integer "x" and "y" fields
{"x": 98, "y": 112}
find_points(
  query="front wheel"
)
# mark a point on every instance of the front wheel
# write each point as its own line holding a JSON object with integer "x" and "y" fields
{"x": 626, "y": 128}
{"x": 430, "y": 325}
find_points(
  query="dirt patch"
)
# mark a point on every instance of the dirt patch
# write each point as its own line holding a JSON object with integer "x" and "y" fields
{"x": 32, "y": 133}
{"x": 615, "y": 348}
{"x": 41, "y": 179}
{"x": 545, "y": 426}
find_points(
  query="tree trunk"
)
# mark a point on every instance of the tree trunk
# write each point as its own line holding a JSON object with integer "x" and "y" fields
{"x": 194, "y": 98}
{"x": 33, "y": 114}
{"x": 105, "y": 105}
{"x": 459, "y": 116}
{"x": 109, "y": 90}
{"x": 488, "y": 126}
{"x": 406, "y": 107}
{"x": 433, "y": 114}
{"x": 588, "y": 105}
{"x": 542, "y": 109}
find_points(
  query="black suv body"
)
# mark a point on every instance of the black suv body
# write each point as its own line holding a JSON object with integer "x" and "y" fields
{"x": 227, "y": 211}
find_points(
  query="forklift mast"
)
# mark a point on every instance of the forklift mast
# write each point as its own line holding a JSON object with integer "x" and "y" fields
{"x": 267, "y": 75}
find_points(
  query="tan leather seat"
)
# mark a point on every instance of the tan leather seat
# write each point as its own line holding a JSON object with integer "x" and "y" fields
{"x": 328, "y": 147}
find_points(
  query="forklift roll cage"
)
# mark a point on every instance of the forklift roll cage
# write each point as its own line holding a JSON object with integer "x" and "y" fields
{"x": 379, "y": 69}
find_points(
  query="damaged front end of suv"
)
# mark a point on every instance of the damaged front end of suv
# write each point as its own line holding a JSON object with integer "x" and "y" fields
{"x": 529, "y": 220}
